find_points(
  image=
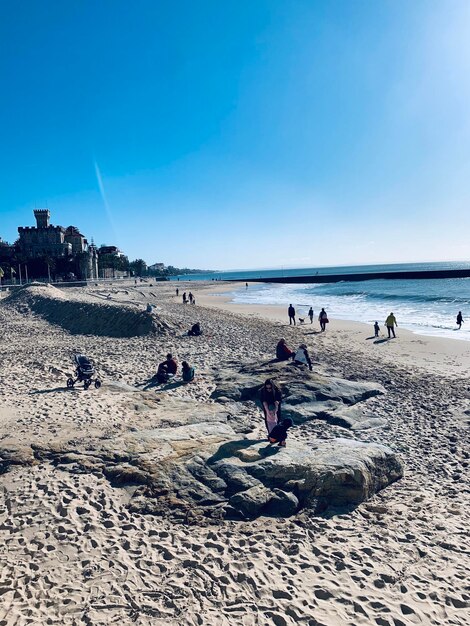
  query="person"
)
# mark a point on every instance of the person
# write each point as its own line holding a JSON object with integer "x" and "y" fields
{"x": 302, "y": 356}
{"x": 187, "y": 372}
{"x": 184, "y": 298}
{"x": 291, "y": 312}
{"x": 177, "y": 292}
{"x": 246, "y": 285}
{"x": 459, "y": 319}
{"x": 279, "y": 432}
{"x": 283, "y": 353}
{"x": 190, "y": 296}
{"x": 195, "y": 330}
{"x": 149, "y": 308}
{"x": 162, "y": 373}
{"x": 271, "y": 398}
{"x": 390, "y": 322}
{"x": 171, "y": 364}
{"x": 376, "y": 328}
{"x": 323, "y": 319}
{"x": 310, "y": 314}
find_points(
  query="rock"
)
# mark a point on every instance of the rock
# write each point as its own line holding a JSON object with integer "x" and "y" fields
{"x": 306, "y": 395}
{"x": 337, "y": 472}
{"x": 282, "y": 504}
{"x": 252, "y": 501}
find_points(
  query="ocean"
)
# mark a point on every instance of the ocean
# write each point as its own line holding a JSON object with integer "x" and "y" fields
{"x": 426, "y": 307}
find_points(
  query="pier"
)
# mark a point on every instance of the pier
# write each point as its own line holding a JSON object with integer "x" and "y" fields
{"x": 336, "y": 278}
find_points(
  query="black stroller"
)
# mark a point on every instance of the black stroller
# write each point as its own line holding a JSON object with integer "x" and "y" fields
{"x": 85, "y": 371}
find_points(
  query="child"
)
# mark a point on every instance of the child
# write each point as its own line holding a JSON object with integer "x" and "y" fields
{"x": 376, "y": 329}
{"x": 188, "y": 372}
{"x": 279, "y": 432}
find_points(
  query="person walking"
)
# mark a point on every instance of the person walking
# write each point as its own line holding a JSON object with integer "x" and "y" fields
{"x": 177, "y": 292}
{"x": 390, "y": 323}
{"x": 323, "y": 319}
{"x": 291, "y": 312}
{"x": 459, "y": 319}
{"x": 376, "y": 328}
{"x": 310, "y": 314}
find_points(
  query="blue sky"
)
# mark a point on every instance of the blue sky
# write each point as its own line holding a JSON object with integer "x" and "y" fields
{"x": 241, "y": 134}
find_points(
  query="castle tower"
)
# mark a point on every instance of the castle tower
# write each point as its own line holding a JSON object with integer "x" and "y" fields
{"x": 43, "y": 217}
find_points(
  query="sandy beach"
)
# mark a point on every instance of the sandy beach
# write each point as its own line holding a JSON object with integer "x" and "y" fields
{"x": 77, "y": 549}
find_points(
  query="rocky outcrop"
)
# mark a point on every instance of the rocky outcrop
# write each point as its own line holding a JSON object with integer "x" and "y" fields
{"x": 306, "y": 395}
{"x": 204, "y": 470}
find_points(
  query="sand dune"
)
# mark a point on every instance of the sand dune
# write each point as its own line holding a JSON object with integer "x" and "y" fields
{"x": 81, "y": 316}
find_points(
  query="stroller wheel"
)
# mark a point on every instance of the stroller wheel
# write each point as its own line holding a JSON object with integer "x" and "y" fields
{"x": 70, "y": 383}
{"x": 97, "y": 383}
{"x": 86, "y": 384}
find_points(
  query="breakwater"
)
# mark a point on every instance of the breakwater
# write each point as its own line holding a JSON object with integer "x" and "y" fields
{"x": 352, "y": 277}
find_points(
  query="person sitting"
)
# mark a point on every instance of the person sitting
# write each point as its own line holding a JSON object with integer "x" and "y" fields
{"x": 282, "y": 351}
{"x": 279, "y": 432}
{"x": 195, "y": 330}
{"x": 149, "y": 308}
{"x": 171, "y": 364}
{"x": 162, "y": 373}
{"x": 302, "y": 356}
{"x": 187, "y": 372}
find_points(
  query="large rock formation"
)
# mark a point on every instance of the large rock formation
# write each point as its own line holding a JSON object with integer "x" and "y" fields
{"x": 306, "y": 395}
{"x": 205, "y": 469}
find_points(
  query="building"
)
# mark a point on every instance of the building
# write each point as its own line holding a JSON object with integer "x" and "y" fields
{"x": 157, "y": 267}
{"x": 43, "y": 239}
{"x": 112, "y": 250}
{"x": 64, "y": 245}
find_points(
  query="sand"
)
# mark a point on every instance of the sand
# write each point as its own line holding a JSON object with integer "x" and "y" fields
{"x": 74, "y": 554}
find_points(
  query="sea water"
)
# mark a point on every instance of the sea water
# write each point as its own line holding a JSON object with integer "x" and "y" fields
{"x": 426, "y": 307}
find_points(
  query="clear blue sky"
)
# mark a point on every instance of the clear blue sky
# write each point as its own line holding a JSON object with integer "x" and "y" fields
{"x": 236, "y": 134}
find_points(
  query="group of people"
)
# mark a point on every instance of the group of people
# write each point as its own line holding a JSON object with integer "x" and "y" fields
{"x": 322, "y": 318}
{"x": 168, "y": 369}
{"x": 186, "y": 298}
{"x": 301, "y": 355}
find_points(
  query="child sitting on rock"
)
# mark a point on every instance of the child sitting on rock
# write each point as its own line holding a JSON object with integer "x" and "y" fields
{"x": 279, "y": 432}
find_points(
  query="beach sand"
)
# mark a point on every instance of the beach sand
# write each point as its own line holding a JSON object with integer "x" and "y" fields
{"x": 73, "y": 553}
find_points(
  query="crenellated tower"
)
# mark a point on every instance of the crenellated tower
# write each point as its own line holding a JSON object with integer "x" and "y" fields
{"x": 43, "y": 217}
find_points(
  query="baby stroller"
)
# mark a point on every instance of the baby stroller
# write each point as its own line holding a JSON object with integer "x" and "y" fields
{"x": 85, "y": 370}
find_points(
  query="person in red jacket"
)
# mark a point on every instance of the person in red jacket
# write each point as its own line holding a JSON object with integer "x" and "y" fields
{"x": 172, "y": 365}
{"x": 283, "y": 353}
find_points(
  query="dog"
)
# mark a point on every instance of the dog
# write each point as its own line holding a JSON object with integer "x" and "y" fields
{"x": 301, "y": 320}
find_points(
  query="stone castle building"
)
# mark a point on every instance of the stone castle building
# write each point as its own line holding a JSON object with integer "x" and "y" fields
{"x": 57, "y": 242}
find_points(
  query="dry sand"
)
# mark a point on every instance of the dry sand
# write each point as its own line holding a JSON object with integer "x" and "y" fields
{"x": 73, "y": 554}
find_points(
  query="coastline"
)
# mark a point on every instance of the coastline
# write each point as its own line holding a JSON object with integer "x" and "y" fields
{"x": 439, "y": 355}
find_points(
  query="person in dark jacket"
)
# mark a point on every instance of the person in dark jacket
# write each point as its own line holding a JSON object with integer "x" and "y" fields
{"x": 279, "y": 432}
{"x": 270, "y": 398}
{"x": 291, "y": 313}
{"x": 310, "y": 314}
{"x": 195, "y": 330}
{"x": 187, "y": 372}
{"x": 283, "y": 353}
{"x": 323, "y": 319}
{"x": 459, "y": 320}
{"x": 162, "y": 373}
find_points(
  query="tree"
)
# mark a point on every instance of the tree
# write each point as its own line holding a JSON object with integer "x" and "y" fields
{"x": 138, "y": 267}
